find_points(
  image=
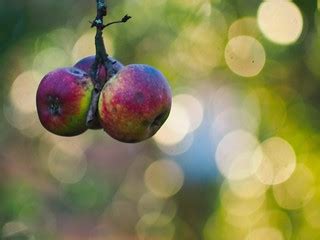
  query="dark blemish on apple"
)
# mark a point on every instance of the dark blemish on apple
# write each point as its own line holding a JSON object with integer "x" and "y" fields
{"x": 54, "y": 105}
{"x": 139, "y": 97}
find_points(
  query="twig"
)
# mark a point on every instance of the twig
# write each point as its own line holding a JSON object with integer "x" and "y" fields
{"x": 102, "y": 59}
{"x": 123, "y": 20}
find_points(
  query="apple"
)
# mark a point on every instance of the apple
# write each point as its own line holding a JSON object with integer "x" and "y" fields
{"x": 63, "y": 99}
{"x": 86, "y": 63}
{"x": 134, "y": 103}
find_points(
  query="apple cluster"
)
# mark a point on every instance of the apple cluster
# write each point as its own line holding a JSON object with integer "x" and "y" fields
{"x": 133, "y": 104}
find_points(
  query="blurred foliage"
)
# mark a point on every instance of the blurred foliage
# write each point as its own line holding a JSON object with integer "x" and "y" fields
{"x": 238, "y": 157}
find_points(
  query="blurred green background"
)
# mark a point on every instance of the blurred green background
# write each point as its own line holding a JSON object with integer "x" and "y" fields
{"x": 238, "y": 157}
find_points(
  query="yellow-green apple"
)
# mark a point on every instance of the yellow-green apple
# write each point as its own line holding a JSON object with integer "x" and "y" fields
{"x": 63, "y": 99}
{"x": 134, "y": 103}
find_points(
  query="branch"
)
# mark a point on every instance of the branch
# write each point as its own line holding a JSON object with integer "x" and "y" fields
{"x": 102, "y": 59}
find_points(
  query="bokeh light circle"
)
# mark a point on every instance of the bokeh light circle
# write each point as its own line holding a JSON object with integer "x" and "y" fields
{"x": 245, "y": 56}
{"x": 238, "y": 206}
{"x": 193, "y": 108}
{"x": 68, "y": 167}
{"x": 297, "y": 190}
{"x": 176, "y": 126}
{"x": 50, "y": 59}
{"x": 179, "y": 148}
{"x": 244, "y": 26}
{"x": 176, "y": 137}
{"x": 279, "y": 161}
{"x": 247, "y": 188}
{"x": 312, "y": 211}
{"x": 155, "y": 228}
{"x": 276, "y": 219}
{"x": 23, "y": 91}
{"x": 280, "y": 21}
{"x": 236, "y": 155}
{"x": 266, "y": 233}
{"x": 153, "y": 206}
{"x": 164, "y": 178}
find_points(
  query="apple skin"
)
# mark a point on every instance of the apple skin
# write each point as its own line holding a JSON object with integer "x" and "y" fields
{"x": 63, "y": 100}
{"x": 86, "y": 63}
{"x": 135, "y": 103}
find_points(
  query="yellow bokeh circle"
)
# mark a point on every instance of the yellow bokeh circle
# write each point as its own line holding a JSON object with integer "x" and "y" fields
{"x": 245, "y": 56}
{"x": 280, "y": 21}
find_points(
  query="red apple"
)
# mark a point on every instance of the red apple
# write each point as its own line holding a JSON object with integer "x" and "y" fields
{"x": 63, "y": 100}
{"x": 86, "y": 63}
{"x": 134, "y": 103}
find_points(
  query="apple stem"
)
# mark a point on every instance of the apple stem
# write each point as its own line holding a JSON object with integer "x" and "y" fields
{"x": 102, "y": 59}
